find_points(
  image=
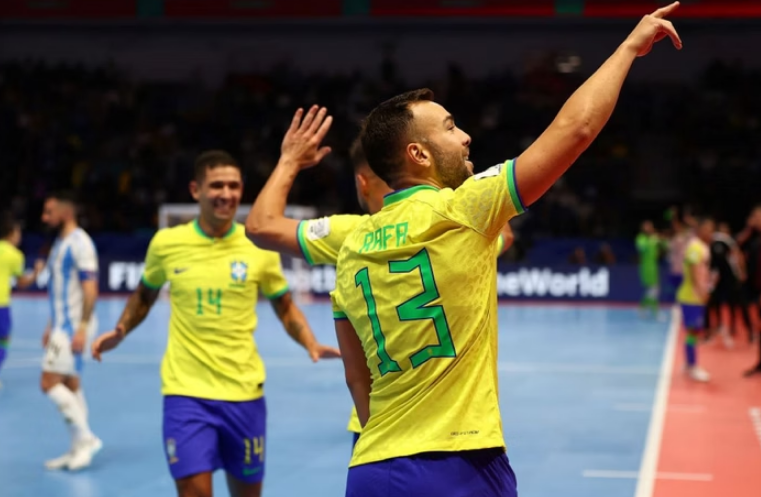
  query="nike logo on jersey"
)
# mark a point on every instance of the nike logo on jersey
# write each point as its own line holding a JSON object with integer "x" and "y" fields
{"x": 180, "y": 270}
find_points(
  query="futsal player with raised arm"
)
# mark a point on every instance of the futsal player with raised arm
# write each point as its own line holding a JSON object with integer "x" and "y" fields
{"x": 415, "y": 301}
{"x": 317, "y": 240}
{"x": 212, "y": 374}
{"x": 73, "y": 292}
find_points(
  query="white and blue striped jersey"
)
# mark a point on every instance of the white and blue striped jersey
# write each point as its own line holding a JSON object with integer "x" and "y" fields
{"x": 73, "y": 259}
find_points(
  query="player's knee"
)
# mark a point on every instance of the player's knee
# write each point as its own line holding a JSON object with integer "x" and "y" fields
{"x": 195, "y": 486}
{"x": 48, "y": 381}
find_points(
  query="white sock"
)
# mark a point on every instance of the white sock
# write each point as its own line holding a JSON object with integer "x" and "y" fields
{"x": 72, "y": 413}
{"x": 80, "y": 394}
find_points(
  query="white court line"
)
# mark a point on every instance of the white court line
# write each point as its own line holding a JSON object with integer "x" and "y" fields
{"x": 630, "y": 475}
{"x": 755, "y": 418}
{"x": 649, "y": 464}
{"x": 26, "y": 344}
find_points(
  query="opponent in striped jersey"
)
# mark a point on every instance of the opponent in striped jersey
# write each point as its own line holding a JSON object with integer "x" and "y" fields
{"x": 318, "y": 241}
{"x": 73, "y": 291}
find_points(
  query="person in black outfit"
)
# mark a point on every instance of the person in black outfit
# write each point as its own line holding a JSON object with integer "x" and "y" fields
{"x": 726, "y": 263}
{"x": 750, "y": 241}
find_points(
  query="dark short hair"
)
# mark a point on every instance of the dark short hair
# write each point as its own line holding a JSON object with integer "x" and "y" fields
{"x": 357, "y": 154}
{"x": 385, "y": 130}
{"x": 7, "y": 224}
{"x": 211, "y": 159}
{"x": 64, "y": 196}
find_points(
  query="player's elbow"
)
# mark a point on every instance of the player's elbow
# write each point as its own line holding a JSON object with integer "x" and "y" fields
{"x": 262, "y": 233}
{"x": 578, "y": 130}
{"x": 357, "y": 379}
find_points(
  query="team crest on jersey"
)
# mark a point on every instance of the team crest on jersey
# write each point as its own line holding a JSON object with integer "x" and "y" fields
{"x": 492, "y": 171}
{"x": 239, "y": 271}
{"x": 318, "y": 229}
{"x": 171, "y": 450}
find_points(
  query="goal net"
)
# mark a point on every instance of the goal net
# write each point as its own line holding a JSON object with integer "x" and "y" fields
{"x": 297, "y": 271}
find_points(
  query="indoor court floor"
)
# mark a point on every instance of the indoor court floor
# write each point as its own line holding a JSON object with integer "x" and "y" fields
{"x": 593, "y": 402}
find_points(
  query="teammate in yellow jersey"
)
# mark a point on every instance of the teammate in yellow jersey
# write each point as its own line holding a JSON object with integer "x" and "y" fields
{"x": 317, "y": 240}
{"x": 212, "y": 375}
{"x": 415, "y": 300}
{"x": 693, "y": 293}
{"x": 11, "y": 266}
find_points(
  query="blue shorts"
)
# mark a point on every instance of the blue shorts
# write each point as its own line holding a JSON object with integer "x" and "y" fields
{"x": 5, "y": 323}
{"x": 485, "y": 473}
{"x": 201, "y": 436}
{"x": 693, "y": 317}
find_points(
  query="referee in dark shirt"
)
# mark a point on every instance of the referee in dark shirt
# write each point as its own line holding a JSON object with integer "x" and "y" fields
{"x": 726, "y": 264}
{"x": 750, "y": 241}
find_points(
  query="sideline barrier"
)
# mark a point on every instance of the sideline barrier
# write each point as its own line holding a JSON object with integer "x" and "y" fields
{"x": 617, "y": 283}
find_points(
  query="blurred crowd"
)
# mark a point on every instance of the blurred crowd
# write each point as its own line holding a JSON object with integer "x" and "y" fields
{"x": 127, "y": 146}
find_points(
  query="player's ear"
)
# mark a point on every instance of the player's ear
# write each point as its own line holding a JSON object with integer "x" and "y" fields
{"x": 419, "y": 154}
{"x": 194, "y": 189}
{"x": 361, "y": 183}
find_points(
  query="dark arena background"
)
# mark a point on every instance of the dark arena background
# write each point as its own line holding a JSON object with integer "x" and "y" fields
{"x": 114, "y": 99}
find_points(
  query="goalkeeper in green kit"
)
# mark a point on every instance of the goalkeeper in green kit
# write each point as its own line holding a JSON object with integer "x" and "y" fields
{"x": 649, "y": 246}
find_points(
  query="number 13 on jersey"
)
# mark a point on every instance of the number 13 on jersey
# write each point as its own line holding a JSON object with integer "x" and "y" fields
{"x": 416, "y": 308}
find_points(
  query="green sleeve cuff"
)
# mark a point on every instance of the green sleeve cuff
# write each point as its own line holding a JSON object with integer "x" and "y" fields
{"x": 150, "y": 285}
{"x": 303, "y": 243}
{"x": 512, "y": 187}
{"x": 278, "y": 294}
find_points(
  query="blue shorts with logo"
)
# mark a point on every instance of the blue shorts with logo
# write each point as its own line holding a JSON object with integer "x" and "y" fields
{"x": 693, "y": 316}
{"x": 203, "y": 436}
{"x": 482, "y": 473}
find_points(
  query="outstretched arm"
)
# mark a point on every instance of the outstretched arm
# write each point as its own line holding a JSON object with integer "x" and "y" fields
{"x": 298, "y": 328}
{"x": 266, "y": 225}
{"x": 358, "y": 377}
{"x": 26, "y": 280}
{"x": 587, "y": 111}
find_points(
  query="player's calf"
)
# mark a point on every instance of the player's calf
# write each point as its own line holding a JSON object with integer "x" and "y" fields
{"x": 694, "y": 322}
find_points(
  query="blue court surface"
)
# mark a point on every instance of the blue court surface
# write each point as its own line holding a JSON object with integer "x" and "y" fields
{"x": 577, "y": 387}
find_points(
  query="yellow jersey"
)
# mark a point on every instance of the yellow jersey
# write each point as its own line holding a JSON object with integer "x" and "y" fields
{"x": 321, "y": 239}
{"x": 697, "y": 252}
{"x": 11, "y": 266}
{"x": 416, "y": 280}
{"x": 214, "y": 286}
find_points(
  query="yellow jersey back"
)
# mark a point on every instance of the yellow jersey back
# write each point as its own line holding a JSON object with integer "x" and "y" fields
{"x": 416, "y": 280}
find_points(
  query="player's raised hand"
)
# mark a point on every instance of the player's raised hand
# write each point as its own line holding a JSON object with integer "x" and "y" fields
{"x": 107, "y": 341}
{"x": 302, "y": 142}
{"x": 652, "y": 29}
{"x": 319, "y": 351}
